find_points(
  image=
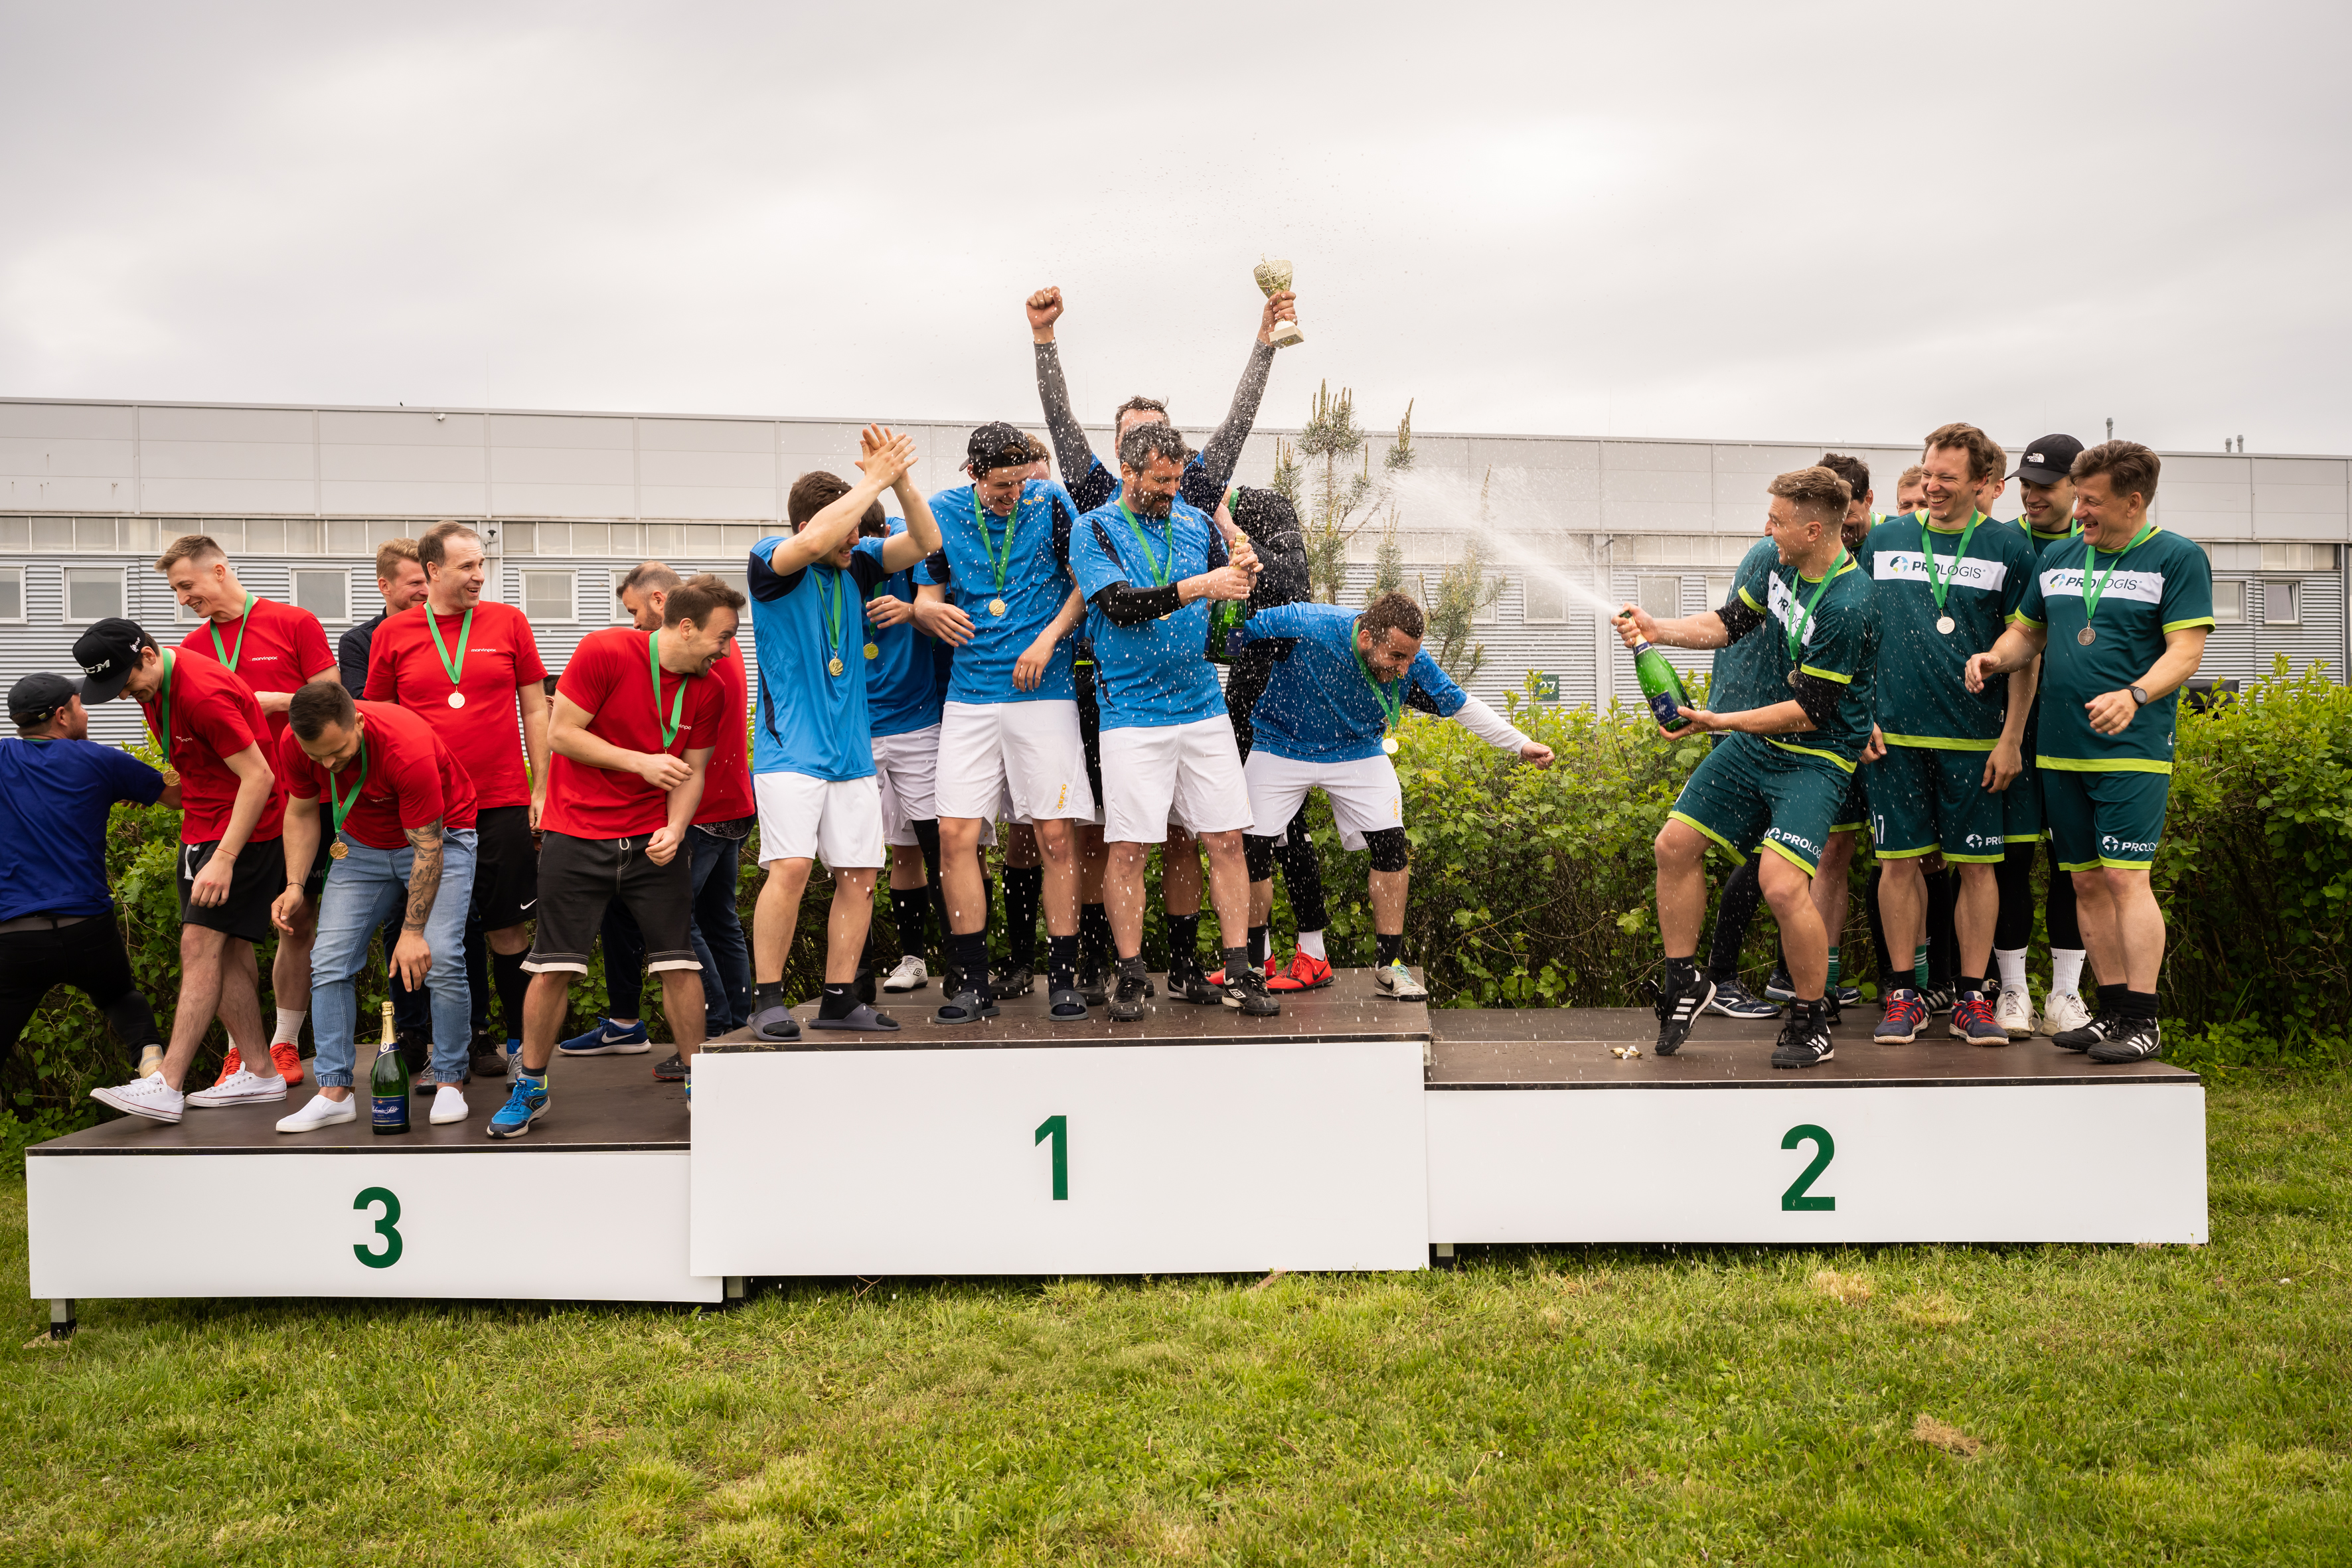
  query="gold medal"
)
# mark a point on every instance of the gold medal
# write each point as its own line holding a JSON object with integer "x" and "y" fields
{"x": 995, "y": 607}
{"x": 170, "y": 777}
{"x": 338, "y": 849}
{"x": 837, "y": 667}
{"x": 1944, "y": 624}
{"x": 2087, "y": 637}
{"x": 873, "y": 651}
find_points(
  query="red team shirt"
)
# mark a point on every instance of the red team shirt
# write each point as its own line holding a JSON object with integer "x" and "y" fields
{"x": 284, "y": 646}
{"x": 610, "y": 678}
{"x": 413, "y": 780}
{"x": 406, "y": 668}
{"x": 726, "y": 791}
{"x": 213, "y": 717}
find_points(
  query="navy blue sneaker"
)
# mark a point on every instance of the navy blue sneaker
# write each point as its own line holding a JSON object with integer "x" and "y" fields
{"x": 526, "y": 1103}
{"x": 603, "y": 1040}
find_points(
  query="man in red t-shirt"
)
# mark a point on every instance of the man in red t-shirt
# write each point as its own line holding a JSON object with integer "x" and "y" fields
{"x": 399, "y": 819}
{"x": 714, "y": 844}
{"x": 273, "y": 648}
{"x": 638, "y": 717}
{"x": 469, "y": 667}
{"x": 217, "y": 773}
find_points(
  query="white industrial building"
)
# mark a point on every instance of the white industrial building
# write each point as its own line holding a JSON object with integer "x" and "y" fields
{"x": 301, "y": 496}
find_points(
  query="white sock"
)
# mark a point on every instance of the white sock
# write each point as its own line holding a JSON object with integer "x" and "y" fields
{"x": 2011, "y": 962}
{"x": 2066, "y": 969}
{"x": 289, "y": 1026}
{"x": 1310, "y": 942}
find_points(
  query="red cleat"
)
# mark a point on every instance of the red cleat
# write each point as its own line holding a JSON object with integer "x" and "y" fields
{"x": 1306, "y": 972}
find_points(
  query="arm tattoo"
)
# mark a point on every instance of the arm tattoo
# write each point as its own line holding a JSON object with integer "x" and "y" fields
{"x": 423, "y": 876}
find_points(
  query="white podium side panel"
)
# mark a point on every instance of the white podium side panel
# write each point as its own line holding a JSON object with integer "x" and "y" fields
{"x": 1176, "y": 1159}
{"x": 595, "y": 1225}
{"x": 2121, "y": 1162}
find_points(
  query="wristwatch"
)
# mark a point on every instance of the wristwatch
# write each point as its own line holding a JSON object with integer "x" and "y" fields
{"x": 2138, "y": 695}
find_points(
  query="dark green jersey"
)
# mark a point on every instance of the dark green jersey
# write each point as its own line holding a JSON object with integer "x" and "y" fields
{"x": 1923, "y": 699}
{"x": 1743, "y": 676}
{"x": 2042, "y": 541}
{"x": 1838, "y": 635}
{"x": 2162, "y": 584}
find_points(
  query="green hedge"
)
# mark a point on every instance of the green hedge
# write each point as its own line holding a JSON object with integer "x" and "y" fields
{"x": 1534, "y": 889}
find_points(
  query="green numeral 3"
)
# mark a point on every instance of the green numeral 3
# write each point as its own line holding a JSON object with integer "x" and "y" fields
{"x": 1058, "y": 1129}
{"x": 390, "y": 1255}
{"x": 1795, "y": 1197}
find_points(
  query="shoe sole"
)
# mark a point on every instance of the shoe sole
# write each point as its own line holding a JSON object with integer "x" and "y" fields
{"x": 1134, "y": 1016}
{"x": 1828, "y": 1055}
{"x": 145, "y": 1113}
{"x": 1999, "y": 1039}
{"x": 1717, "y": 1010}
{"x": 439, "y": 1120}
{"x": 1237, "y": 1004}
{"x": 518, "y": 1129}
{"x": 637, "y": 1049}
{"x": 1416, "y": 995}
{"x": 1910, "y": 1038}
{"x": 315, "y": 1126}
{"x": 904, "y": 990}
{"x": 195, "y": 1103}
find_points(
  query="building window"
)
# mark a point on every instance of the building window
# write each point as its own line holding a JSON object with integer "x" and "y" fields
{"x": 92, "y": 594}
{"x": 1718, "y": 592}
{"x": 1543, "y": 598}
{"x": 2285, "y": 557}
{"x": 741, "y": 582}
{"x": 2229, "y": 603}
{"x": 326, "y": 594}
{"x": 12, "y": 593}
{"x": 620, "y": 612}
{"x": 2282, "y": 605}
{"x": 1661, "y": 597}
{"x": 547, "y": 595}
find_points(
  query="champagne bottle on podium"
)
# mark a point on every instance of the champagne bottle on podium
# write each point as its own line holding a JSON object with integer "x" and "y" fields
{"x": 388, "y": 1085}
{"x": 1662, "y": 686}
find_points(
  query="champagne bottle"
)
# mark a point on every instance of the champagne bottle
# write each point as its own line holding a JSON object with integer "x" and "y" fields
{"x": 389, "y": 1083}
{"x": 1223, "y": 617}
{"x": 1661, "y": 687}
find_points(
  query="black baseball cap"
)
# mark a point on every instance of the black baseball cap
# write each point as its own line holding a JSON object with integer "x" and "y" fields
{"x": 108, "y": 653}
{"x": 997, "y": 445}
{"x": 2048, "y": 460}
{"x": 40, "y": 694}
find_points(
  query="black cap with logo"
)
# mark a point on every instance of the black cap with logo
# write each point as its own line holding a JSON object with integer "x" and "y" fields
{"x": 108, "y": 653}
{"x": 1000, "y": 446}
{"x": 2048, "y": 460}
{"x": 35, "y": 699}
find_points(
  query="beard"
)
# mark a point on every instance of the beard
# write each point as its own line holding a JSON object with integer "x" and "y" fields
{"x": 1151, "y": 506}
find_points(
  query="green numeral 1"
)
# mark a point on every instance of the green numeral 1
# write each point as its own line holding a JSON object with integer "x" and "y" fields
{"x": 1058, "y": 1128}
{"x": 383, "y": 1227}
{"x": 1795, "y": 1197}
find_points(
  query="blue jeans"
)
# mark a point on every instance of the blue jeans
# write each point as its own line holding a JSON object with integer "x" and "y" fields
{"x": 718, "y": 942}
{"x": 362, "y": 889}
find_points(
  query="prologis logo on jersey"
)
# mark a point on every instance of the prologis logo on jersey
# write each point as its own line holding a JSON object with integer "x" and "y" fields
{"x": 2111, "y": 845}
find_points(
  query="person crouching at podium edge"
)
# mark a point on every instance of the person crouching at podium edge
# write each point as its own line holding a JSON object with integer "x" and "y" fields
{"x": 57, "y": 916}
{"x": 399, "y": 824}
{"x": 637, "y": 715}
{"x": 2119, "y": 613}
{"x": 216, "y": 771}
{"x": 813, "y": 757}
{"x": 1779, "y": 779}
{"x": 1148, "y": 562}
{"x": 1328, "y": 720}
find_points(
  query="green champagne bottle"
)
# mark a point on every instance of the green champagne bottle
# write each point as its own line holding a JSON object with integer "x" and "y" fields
{"x": 1661, "y": 687}
{"x": 388, "y": 1085}
{"x": 1223, "y": 617}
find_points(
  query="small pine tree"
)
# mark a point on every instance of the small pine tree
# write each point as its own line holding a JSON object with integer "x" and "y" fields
{"x": 1463, "y": 594}
{"x": 1387, "y": 564}
{"x": 1401, "y": 453}
{"x": 1288, "y": 473}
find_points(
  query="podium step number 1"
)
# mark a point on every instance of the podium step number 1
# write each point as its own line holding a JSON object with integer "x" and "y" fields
{"x": 1057, "y": 1128}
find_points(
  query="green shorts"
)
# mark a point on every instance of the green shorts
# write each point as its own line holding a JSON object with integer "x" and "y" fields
{"x": 1853, "y": 811}
{"x": 1749, "y": 792}
{"x": 2104, "y": 818}
{"x": 1924, "y": 800}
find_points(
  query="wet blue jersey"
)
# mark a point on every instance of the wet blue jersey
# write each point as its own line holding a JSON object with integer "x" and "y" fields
{"x": 1319, "y": 705}
{"x": 809, "y": 720}
{"x": 906, "y": 682}
{"x": 1033, "y": 546}
{"x": 1158, "y": 673}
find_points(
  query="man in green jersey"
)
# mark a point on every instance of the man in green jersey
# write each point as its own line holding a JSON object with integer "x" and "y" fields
{"x": 1947, "y": 580}
{"x": 2119, "y": 615}
{"x": 1777, "y": 780}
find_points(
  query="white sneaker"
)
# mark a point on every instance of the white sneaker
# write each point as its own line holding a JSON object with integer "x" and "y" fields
{"x": 320, "y": 1112}
{"x": 149, "y": 1097}
{"x": 910, "y": 975}
{"x": 2061, "y": 1011}
{"x": 449, "y": 1105}
{"x": 239, "y": 1088}
{"x": 2014, "y": 1012}
{"x": 1398, "y": 981}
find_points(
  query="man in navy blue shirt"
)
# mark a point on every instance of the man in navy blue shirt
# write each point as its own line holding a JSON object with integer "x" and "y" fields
{"x": 1147, "y": 563}
{"x": 57, "y": 916}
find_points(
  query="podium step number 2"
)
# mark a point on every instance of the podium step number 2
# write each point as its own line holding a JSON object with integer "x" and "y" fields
{"x": 1799, "y": 1197}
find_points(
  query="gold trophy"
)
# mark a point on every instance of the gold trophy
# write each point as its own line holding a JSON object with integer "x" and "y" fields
{"x": 1273, "y": 278}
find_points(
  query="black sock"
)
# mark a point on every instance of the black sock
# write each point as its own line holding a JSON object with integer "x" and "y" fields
{"x": 1973, "y": 982}
{"x": 506, "y": 969}
{"x": 840, "y": 999}
{"x": 1183, "y": 941}
{"x": 1261, "y": 943}
{"x": 1236, "y": 961}
{"x": 1680, "y": 971}
{"x": 971, "y": 957}
{"x": 767, "y": 994}
{"x": 2111, "y": 998}
{"x": 1743, "y": 894}
{"x": 1390, "y": 949}
{"x": 1024, "y": 890}
{"x": 1094, "y": 934}
{"x": 1063, "y": 973}
{"x": 2139, "y": 1006}
{"x": 907, "y": 907}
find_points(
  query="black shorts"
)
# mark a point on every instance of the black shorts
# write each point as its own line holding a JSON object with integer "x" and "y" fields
{"x": 314, "y": 886}
{"x": 1089, "y": 724}
{"x": 581, "y": 876}
{"x": 259, "y": 877}
{"x": 505, "y": 867}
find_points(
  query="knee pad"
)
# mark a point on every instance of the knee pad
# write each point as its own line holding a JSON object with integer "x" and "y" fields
{"x": 1387, "y": 847}
{"x": 1259, "y": 853}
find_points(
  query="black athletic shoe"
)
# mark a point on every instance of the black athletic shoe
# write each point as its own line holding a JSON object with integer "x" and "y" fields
{"x": 1832, "y": 1013}
{"x": 2103, "y": 1027}
{"x": 1127, "y": 1003}
{"x": 1779, "y": 987}
{"x": 1733, "y": 1000}
{"x": 1187, "y": 981}
{"x": 1804, "y": 1038}
{"x": 672, "y": 1070}
{"x": 1848, "y": 995}
{"x": 1092, "y": 985}
{"x": 416, "y": 1052}
{"x": 1019, "y": 980}
{"x": 488, "y": 1055}
{"x": 1678, "y": 1009}
{"x": 1247, "y": 991}
{"x": 1938, "y": 999}
{"x": 2131, "y": 1040}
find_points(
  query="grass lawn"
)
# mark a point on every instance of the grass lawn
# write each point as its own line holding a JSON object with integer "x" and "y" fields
{"x": 2034, "y": 1405}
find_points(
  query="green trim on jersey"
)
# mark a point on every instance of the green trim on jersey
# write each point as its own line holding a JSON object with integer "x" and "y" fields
{"x": 2162, "y": 584}
{"x": 1940, "y": 742}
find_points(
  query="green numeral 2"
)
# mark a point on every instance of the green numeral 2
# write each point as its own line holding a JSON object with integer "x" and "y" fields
{"x": 383, "y": 1227}
{"x": 1058, "y": 1128}
{"x": 1795, "y": 1197}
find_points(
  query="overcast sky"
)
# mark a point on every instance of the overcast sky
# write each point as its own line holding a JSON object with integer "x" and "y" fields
{"x": 1827, "y": 222}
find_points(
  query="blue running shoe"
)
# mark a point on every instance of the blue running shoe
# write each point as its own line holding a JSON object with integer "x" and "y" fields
{"x": 603, "y": 1040}
{"x": 526, "y": 1103}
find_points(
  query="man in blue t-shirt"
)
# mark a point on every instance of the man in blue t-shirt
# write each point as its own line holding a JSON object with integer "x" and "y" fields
{"x": 1148, "y": 565}
{"x": 57, "y": 916}
{"x": 1009, "y": 727}
{"x": 813, "y": 752}
{"x": 1329, "y": 721}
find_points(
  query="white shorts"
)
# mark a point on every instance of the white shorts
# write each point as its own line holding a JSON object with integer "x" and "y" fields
{"x": 838, "y": 821}
{"x": 1186, "y": 774}
{"x": 1365, "y": 794}
{"x": 909, "y": 768}
{"x": 1027, "y": 754}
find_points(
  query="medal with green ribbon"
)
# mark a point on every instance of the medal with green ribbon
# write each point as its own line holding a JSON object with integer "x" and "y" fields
{"x": 1940, "y": 586}
{"x": 1159, "y": 565}
{"x": 342, "y": 802}
{"x": 2094, "y": 592}
{"x": 1000, "y": 566}
{"x": 244, "y": 620}
{"x": 668, "y": 726}
{"x": 1391, "y": 705}
{"x": 833, "y": 632}
{"x": 163, "y": 724}
{"x": 456, "y": 667}
{"x": 1796, "y": 628}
